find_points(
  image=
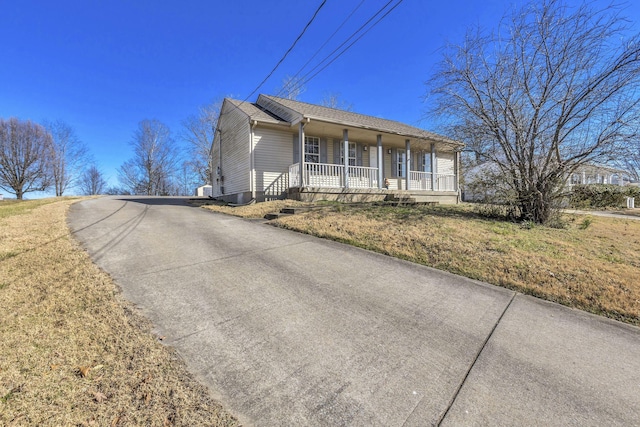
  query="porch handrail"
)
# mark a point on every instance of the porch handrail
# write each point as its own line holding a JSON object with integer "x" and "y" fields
{"x": 294, "y": 175}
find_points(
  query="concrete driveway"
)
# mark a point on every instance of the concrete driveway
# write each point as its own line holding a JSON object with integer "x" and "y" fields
{"x": 287, "y": 329}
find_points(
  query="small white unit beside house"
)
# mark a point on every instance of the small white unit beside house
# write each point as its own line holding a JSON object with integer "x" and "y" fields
{"x": 278, "y": 148}
{"x": 204, "y": 191}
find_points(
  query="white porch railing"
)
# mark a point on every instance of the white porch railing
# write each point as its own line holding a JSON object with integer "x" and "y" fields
{"x": 332, "y": 176}
{"x": 323, "y": 175}
{"x": 445, "y": 182}
{"x": 294, "y": 175}
{"x": 420, "y": 181}
{"x": 362, "y": 177}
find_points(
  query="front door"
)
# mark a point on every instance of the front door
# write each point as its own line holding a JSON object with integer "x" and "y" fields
{"x": 373, "y": 156}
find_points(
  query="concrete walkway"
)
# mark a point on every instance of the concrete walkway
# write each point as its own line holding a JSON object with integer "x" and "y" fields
{"x": 287, "y": 329}
{"x": 608, "y": 214}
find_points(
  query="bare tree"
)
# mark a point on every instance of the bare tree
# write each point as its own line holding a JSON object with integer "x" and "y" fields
{"x": 630, "y": 160}
{"x": 24, "y": 150}
{"x": 198, "y": 132}
{"x": 334, "y": 100}
{"x": 154, "y": 162}
{"x": 68, "y": 155}
{"x": 555, "y": 87}
{"x": 292, "y": 87}
{"x": 92, "y": 181}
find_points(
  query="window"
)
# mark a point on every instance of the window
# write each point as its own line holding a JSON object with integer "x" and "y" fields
{"x": 352, "y": 153}
{"x": 402, "y": 163}
{"x": 426, "y": 162}
{"x": 311, "y": 149}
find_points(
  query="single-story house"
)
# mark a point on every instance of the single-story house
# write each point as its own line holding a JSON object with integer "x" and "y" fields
{"x": 592, "y": 173}
{"x": 257, "y": 155}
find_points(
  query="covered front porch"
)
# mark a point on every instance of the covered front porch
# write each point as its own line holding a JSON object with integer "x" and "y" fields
{"x": 374, "y": 167}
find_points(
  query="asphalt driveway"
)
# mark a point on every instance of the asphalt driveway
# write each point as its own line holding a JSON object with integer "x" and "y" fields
{"x": 287, "y": 329}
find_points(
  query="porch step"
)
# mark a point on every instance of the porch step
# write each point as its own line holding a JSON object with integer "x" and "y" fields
{"x": 292, "y": 210}
{"x": 300, "y": 209}
{"x": 408, "y": 200}
{"x": 275, "y": 215}
{"x": 400, "y": 199}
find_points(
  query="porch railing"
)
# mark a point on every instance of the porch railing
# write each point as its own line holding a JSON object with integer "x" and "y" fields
{"x": 332, "y": 176}
{"x": 363, "y": 177}
{"x": 323, "y": 175}
{"x": 445, "y": 182}
{"x": 420, "y": 181}
{"x": 294, "y": 175}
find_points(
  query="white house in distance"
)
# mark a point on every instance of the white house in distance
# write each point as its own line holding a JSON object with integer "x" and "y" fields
{"x": 482, "y": 180}
{"x": 598, "y": 174}
{"x": 257, "y": 146}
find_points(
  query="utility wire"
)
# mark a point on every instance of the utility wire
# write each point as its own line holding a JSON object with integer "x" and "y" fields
{"x": 307, "y": 80}
{"x": 303, "y": 80}
{"x": 328, "y": 56}
{"x": 325, "y": 43}
{"x": 288, "y": 50}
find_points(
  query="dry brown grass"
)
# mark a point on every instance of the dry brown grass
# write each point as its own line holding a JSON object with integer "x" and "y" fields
{"x": 72, "y": 352}
{"x": 593, "y": 264}
{"x": 257, "y": 210}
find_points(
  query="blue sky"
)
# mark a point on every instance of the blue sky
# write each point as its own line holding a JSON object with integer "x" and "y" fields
{"x": 103, "y": 66}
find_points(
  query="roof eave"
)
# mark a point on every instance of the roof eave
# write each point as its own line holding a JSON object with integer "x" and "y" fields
{"x": 431, "y": 137}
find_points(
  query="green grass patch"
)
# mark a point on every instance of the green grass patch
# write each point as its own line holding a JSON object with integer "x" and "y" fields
{"x": 13, "y": 207}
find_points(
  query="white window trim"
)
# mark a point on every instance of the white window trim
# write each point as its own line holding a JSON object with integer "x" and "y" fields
{"x": 352, "y": 150}
{"x": 401, "y": 167}
{"x": 310, "y": 154}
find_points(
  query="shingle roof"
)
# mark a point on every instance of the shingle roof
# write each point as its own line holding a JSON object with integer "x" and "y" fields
{"x": 334, "y": 115}
{"x": 256, "y": 112}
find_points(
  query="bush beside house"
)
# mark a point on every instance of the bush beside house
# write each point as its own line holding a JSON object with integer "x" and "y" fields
{"x": 602, "y": 195}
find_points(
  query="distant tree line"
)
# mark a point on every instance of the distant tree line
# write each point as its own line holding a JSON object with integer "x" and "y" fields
{"x": 165, "y": 165}
{"x": 40, "y": 157}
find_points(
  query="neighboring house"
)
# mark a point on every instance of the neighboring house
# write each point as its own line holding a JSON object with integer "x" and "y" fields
{"x": 257, "y": 146}
{"x": 598, "y": 174}
{"x": 483, "y": 180}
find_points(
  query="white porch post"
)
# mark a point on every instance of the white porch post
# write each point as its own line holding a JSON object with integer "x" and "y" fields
{"x": 301, "y": 136}
{"x": 380, "y": 163}
{"x": 434, "y": 180}
{"x": 345, "y": 137}
{"x": 584, "y": 178}
{"x": 407, "y": 163}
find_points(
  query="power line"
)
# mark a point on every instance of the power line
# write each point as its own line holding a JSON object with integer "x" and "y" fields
{"x": 303, "y": 80}
{"x": 328, "y": 40}
{"x": 288, "y": 50}
{"x": 349, "y": 46}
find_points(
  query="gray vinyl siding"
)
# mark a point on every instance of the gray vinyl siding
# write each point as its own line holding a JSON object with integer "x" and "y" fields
{"x": 231, "y": 151}
{"x": 215, "y": 153}
{"x": 273, "y": 154}
{"x": 445, "y": 163}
